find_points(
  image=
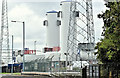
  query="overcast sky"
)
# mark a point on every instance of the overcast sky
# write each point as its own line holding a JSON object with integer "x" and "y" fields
{"x": 33, "y": 12}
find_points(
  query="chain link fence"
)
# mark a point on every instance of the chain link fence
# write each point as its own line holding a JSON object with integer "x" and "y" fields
{"x": 110, "y": 70}
{"x": 48, "y": 65}
{"x": 39, "y": 65}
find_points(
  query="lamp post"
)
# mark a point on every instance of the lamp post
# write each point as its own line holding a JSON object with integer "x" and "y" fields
{"x": 23, "y": 41}
{"x": 35, "y": 46}
{"x": 12, "y": 56}
{"x": 66, "y": 60}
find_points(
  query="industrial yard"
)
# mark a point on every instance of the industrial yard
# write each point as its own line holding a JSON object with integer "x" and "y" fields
{"x": 69, "y": 46}
{"x": 59, "y": 39}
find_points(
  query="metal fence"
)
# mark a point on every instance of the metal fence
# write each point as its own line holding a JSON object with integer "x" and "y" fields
{"x": 39, "y": 65}
{"x": 110, "y": 69}
{"x": 47, "y": 65}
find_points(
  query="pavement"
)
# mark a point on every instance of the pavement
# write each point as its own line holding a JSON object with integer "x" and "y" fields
{"x": 23, "y": 76}
{"x": 32, "y": 76}
{"x": 1, "y": 75}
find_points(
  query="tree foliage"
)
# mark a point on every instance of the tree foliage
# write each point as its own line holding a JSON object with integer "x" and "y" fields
{"x": 109, "y": 46}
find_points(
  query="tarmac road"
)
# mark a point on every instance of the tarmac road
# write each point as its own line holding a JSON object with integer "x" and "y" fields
{"x": 1, "y": 75}
{"x": 29, "y": 76}
{"x": 25, "y": 77}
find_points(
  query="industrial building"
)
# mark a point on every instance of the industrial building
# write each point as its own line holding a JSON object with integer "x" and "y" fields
{"x": 57, "y": 25}
{"x": 55, "y": 53}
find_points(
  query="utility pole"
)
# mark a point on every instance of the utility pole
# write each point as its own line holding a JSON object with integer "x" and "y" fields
{"x": 12, "y": 56}
{"x": 23, "y": 42}
{"x": 35, "y": 46}
{"x": 4, "y": 41}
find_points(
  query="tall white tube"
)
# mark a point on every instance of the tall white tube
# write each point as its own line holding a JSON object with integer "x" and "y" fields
{"x": 64, "y": 25}
{"x": 52, "y": 29}
{"x": 65, "y": 20}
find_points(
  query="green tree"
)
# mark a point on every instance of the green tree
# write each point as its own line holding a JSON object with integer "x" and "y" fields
{"x": 109, "y": 46}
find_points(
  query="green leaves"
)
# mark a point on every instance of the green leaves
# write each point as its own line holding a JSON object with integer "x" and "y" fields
{"x": 109, "y": 47}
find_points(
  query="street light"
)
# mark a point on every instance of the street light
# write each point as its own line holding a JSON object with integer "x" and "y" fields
{"x": 35, "y": 46}
{"x": 66, "y": 59}
{"x": 23, "y": 41}
{"x": 12, "y": 56}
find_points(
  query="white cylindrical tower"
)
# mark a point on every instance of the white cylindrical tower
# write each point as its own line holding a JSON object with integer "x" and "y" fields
{"x": 52, "y": 29}
{"x": 65, "y": 20}
{"x": 65, "y": 6}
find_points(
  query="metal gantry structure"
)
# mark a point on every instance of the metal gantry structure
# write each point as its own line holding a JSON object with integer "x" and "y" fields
{"x": 81, "y": 27}
{"x": 4, "y": 43}
{"x": 90, "y": 24}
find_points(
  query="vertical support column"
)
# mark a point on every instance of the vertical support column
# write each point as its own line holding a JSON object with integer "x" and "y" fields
{"x": 84, "y": 72}
{"x": 23, "y": 46}
{"x": 12, "y": 56}
{"x": 99, "y": 71}
{"x": 35, "y": 47}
